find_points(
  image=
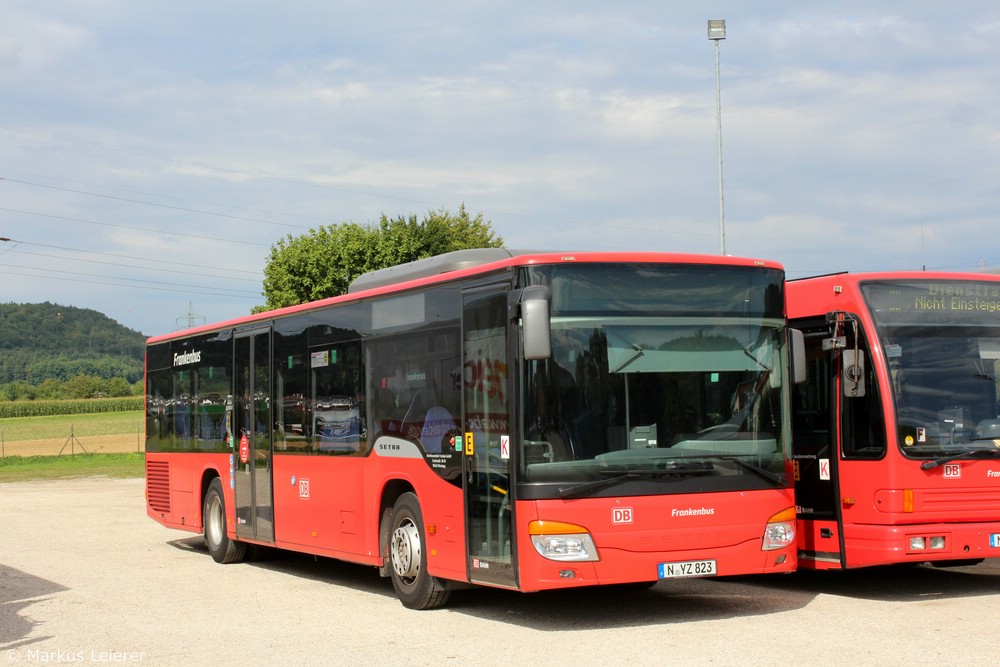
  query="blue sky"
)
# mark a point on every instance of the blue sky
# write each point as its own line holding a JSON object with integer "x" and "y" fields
{"x": 151, "y": 154}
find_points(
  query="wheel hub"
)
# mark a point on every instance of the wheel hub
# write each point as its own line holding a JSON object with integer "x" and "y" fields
{"x": 405, "y": 551}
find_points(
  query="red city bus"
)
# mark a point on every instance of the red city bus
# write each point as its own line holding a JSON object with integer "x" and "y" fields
{"x": 524, "y": 421}
{"x": 897, "y": 429}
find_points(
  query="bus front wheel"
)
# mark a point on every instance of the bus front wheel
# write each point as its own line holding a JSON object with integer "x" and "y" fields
{"x": 222, "y": 549}
{"x": 408, "y": 559}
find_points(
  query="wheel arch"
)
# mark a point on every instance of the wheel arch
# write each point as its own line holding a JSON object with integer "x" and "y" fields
{"x": 391, "y": 492}
{"x": 207, "y": 475}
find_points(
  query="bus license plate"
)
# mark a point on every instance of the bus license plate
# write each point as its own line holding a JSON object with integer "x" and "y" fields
{"x": 690, "y": 568}
{"x": 995, "y": 540}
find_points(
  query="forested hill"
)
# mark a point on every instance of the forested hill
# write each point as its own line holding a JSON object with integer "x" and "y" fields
{"x": 43, "y": 341}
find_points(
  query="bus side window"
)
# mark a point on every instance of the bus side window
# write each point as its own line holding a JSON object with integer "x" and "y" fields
{"x": 812, "y": 404}
{"x": 863, "y": 420}
{"x": 337, "y": 405}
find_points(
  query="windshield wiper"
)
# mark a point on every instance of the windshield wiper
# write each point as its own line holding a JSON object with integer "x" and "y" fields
{"x": 928, "y": 465}
{"x": 778, "y": 480}
{"x": 585, "y": 487}
{"x": 638, "y": 353}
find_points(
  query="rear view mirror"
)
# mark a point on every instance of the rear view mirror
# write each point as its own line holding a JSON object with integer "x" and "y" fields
{"x": 798, "y": 357}
{"x": 535, "y": 322}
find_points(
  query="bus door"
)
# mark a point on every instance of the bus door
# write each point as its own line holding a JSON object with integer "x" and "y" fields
{"x": 816, "y": 405}
{"x": 252, "y": 423}
{"x": 862, "y": 467}
{"x": 486, "y": 430}
{"x": 839, "y": 440}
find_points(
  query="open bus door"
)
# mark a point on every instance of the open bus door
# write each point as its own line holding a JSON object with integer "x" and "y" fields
{"x": 486, "y": 437}
{"x": 815, "y": 427}
{"x": 839, "y": 440}
{"x": 252, "y": 423}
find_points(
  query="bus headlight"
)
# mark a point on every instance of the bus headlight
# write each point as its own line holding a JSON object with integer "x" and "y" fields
{"x": 780, "y": 530}
{"x": 560, "y": 541}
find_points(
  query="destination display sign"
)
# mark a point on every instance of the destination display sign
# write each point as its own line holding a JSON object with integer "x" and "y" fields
{"x": 937, "y": 301}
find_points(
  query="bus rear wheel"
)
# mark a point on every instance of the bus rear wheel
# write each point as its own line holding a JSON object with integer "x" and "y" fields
{"x": 222, "y": 549}
{"x": 408, "y": 560}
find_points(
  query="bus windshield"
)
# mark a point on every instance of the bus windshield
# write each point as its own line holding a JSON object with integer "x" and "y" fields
{"x": 681, "y": 383}
{"x": 942, "y": 345}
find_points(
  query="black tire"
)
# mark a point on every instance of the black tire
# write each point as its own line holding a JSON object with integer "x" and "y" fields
{"x": 222, "y": 549}
{"x": 408, "y": 560}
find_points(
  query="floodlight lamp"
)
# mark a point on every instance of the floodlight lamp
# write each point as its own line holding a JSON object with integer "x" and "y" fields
{"x": 716, "y": 28}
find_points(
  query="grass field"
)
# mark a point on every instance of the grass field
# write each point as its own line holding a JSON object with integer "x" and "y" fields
{"x": 62, "y": 426}
{"x": 107, "y": 445}
{"x": 35, "y": 468}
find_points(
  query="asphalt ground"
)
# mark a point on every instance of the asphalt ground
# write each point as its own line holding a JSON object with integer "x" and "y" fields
{"x": 87, "y": 578}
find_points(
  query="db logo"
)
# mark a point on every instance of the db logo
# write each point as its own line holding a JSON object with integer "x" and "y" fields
{"x": 621, "y": 515}
{"x": 952, "y": 470}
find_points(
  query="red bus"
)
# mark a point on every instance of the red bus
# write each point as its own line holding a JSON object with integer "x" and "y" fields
{"x": 524, "y": 421}
{"x": 897, "y": 430}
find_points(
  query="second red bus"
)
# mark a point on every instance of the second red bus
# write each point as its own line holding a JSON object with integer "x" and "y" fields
{"x": 897, "y": 430}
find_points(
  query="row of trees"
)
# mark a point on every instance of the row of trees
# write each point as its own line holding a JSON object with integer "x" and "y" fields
{"x": 80, "y": 386}
{"x": 34, "y": 367}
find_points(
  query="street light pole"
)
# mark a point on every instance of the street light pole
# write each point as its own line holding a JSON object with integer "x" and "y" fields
{"x": 717, "y": 33}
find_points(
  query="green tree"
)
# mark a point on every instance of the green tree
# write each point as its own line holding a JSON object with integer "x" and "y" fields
{"x": 51, "y": 389}
{"x": 117, "y": 387}
{"x": 323, "y": 262}
{"x": 84, "y": 386}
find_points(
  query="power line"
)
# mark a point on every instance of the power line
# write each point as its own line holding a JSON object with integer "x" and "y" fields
{"x": 333, "y": 188}
{"x": 187, "y": 290}
{"x": 148, "y": 203}
{"x": 286, "y": 214}
{"x": 131, "y": 266}
{"x": 134, "y": 229}
{"x": 109, "y": 254}
{"x": 130, "y": 280}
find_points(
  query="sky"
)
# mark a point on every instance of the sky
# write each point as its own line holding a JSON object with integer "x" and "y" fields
{"x": 152, "y": 154}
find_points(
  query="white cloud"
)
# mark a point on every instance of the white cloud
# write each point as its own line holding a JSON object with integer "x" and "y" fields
{"x": 855, "y": 135}
{"x": 31, "y": 43}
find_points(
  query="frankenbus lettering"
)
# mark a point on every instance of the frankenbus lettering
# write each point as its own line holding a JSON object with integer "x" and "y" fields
{"x": 192, "y": 357}
{"x": 699, "y": 511}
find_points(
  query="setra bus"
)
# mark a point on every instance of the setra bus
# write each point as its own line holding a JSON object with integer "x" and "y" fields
{"x": 528, "y": 421}
{"x": 897, "y": 430}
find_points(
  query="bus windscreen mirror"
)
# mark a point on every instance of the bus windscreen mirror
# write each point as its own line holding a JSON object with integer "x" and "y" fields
{"x": 535, "y": 322}
{"x": 853, "y": 378}
{"x": 798, "y": 344}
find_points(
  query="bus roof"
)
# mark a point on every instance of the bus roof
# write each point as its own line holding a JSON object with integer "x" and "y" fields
{"x": 462, "y": 264}
{"x": 806, "y": 297}
{"x": 431, "y": 266}
{"x": 848, "y": 277}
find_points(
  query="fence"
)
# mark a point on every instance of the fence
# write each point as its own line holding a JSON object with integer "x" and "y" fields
{"x": 73, "y": 443}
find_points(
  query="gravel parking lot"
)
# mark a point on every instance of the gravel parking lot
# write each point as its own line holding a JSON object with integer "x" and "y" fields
{"x": 87, "y": 578}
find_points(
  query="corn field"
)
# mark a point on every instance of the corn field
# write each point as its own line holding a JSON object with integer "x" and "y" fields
{"x": 17, "y": 409}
